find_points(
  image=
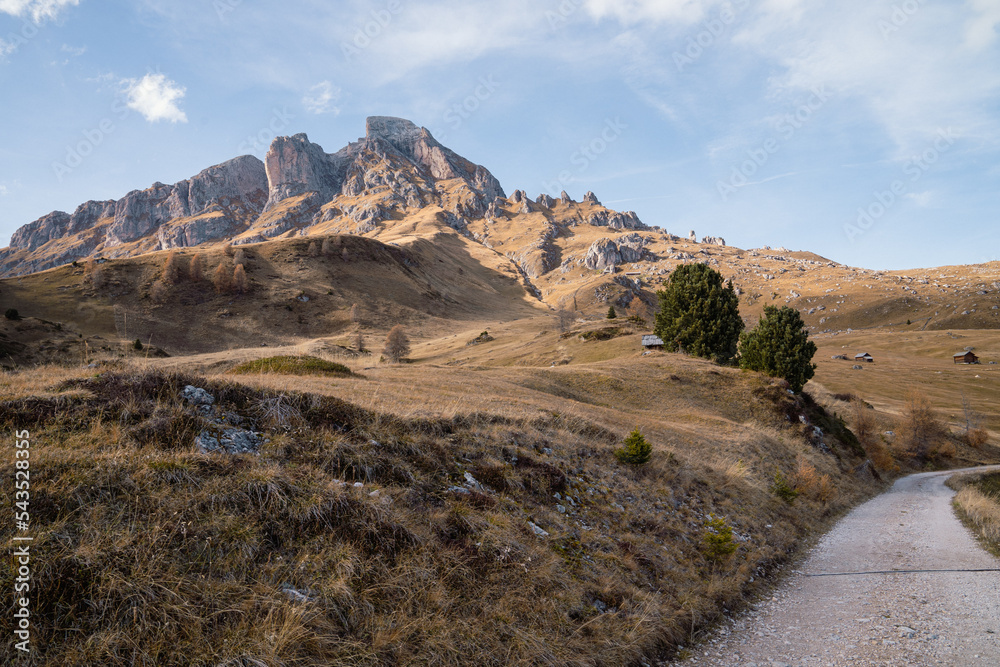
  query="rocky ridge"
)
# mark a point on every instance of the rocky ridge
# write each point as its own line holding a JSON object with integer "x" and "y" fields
{"x": 396, "y": 169}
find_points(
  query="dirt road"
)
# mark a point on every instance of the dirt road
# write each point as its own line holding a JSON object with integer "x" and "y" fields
{"x": 907, "y": 618}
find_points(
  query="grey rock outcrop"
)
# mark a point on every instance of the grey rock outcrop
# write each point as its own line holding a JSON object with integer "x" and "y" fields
{"x": 692, "y": 237}
{"x": 616, "y": 220}
{"x": 565, "y": 198}
{"x": 714, "y": 240}
{"x": 607, "y": 253}
{"x": 591, "y": 197}
{"x": 545, "y": 200}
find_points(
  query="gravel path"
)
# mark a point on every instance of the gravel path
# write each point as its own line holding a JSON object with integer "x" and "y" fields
{"x": 915, "y": 618}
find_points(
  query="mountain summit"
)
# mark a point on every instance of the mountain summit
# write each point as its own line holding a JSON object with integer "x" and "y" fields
{"x": 397, "y": 167}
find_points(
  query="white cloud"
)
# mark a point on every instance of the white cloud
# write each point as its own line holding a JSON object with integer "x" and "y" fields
{"x": 322, "y": 98}
{"x": 7, "y": 48}
{"x": 75, "y": 51}
{"x": 155, "y": 97}
{"x": 921, "y": 199}
{"x": 631, "y": 12}
{"x": 981, "y": 30}
{"x": 38, "y": 10}
{"x": 3, "y": 190}
{"x": 907, "y": 71}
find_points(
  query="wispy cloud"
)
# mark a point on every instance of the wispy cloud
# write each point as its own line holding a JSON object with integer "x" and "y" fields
{"x": 75, "y": 51}
{"x": 38, "y": 10}
{"x": 155, "y": 97}
{"x": 322, "y": 98}
{"x": 634, "y": 12}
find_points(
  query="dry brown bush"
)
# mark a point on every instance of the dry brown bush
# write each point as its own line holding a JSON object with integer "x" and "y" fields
{"x": 239, "y": 257}
{"x": 314, "y": 249}
{"x": 222, "y": 279}
{"x": 240, "y": 283}
{"x": 863, "y": 421}
{"x": 397, "y": 345}
{"x": 196, "y": 269}
{"x": 355, "y": 313}
{"x": 806, "y": 478}
{"x": 158, "y": 292}
{"x": 977, "y": 437}
{"x": 919, "y": 432}
{"x": 327, "y": 248}
{"x": 826, "y": 491}
{"x": 172, "y": 268}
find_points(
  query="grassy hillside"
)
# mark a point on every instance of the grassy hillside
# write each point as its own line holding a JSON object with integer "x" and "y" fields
{"x": 357, "y": 536}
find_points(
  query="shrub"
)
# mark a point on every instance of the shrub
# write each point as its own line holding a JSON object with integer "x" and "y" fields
{"x": 158, "y": 292}
{"x": 240, "y": 283}
{"x": 635, "y": 450}
{"x": 355, "y": 313}
{"x": 781, "y": 488}
{"x": 779, "y": 346}
{"x": 977, "y": 437}
{"x": 12, "y": 314}
{"x": 718, "y": 539}
{"x": 397, "y": 345}
{"x": 222, "y": 279}
{"x": 292, "y": 365}
{"x": 239, "y": 257}
{"x": 137, "y": 345}
{"x": 611, "y": 313}
{"x": 637, "y": 320}
{"x": 172, "y": 268}
{"x": 920, "y": 432}
{"x": 327, "y": 248}
{"x": 196, "y": 269}
{"x": 698, "y": 314}
{"x": 359, "y": 342}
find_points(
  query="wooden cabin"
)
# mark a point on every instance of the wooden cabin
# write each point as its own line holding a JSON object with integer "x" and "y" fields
{"x": 966, "y": 357}
{"x": 865, "y": 357}
{"x": 652, "y": 342}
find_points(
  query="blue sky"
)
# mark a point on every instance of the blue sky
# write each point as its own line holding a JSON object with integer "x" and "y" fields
{"x": 865, "y": 130}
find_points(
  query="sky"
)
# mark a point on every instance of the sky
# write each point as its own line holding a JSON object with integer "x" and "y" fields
{"x": 867, "y": 131}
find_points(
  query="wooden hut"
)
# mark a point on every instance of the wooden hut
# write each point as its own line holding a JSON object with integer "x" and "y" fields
{"x": 966, "y": 357}
{"x": 652, "y": 342}
{"x": 865, "y": 357}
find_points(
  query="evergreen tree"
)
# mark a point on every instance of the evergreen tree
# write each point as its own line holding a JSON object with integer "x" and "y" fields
{"x": 611, "y": 313}
{"x": 698, "y": 314}
{"x": 635, "y": 450}
{"x": 779, "y": 346}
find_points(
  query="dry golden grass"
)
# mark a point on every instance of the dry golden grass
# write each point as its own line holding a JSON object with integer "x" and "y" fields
{"x": 978, "y": 503}
{"x": 158, "y": 553}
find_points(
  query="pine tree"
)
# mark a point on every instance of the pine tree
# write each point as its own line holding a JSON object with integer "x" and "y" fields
{"x": 635, "y": 451}
{"x": 698, "y": 314}
{"x": 611, "y": 313}
{"x": 779, "y": 346}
